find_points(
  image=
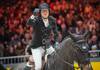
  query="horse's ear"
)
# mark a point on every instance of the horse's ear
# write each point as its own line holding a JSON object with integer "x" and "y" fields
{"x": 86, "y": 34}
{"x": 72, "y": 36}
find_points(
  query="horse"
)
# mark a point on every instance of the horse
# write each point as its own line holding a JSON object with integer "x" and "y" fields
{"x": 64, "y": 56}
{"x": 69, "y": 51}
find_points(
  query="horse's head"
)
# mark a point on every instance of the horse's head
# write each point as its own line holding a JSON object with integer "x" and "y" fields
{"x": 81, "y": 40}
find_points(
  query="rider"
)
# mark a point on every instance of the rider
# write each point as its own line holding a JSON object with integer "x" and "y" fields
{"x": 43, "y": 26}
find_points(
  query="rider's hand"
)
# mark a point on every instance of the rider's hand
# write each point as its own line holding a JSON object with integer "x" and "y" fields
{"x": 50, "y": 50}
{"x": 56, "y": 45}
{"x": 32, "y": 17}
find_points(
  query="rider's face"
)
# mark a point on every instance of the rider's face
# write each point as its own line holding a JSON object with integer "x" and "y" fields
{"x": 45, "y": 13}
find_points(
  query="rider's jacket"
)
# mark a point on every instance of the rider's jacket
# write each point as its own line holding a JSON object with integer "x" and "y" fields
{"x": 41, "y": 34}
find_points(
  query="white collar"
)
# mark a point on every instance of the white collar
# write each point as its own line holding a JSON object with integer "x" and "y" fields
{"x": 46, "y": 22}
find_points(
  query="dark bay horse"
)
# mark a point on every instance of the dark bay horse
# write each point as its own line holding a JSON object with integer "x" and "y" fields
{"x": 64, "y": 56}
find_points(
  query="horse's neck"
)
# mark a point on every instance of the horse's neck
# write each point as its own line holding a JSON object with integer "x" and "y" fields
{"x": 69, "y": 46}
{"x": 66, "y": 45}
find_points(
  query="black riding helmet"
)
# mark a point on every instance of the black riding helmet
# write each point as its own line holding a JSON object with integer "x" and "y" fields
{"x": 44, "y": 6}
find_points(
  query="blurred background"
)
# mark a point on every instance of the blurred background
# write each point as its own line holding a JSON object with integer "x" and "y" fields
{"x": 15, "y": 35}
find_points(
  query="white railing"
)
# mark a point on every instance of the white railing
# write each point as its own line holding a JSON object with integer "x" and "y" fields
{"x": 14, "y": 62}
{"x": 13, "y": 59}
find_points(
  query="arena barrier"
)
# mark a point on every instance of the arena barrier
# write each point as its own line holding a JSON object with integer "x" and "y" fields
{"x": 14, "y": 62}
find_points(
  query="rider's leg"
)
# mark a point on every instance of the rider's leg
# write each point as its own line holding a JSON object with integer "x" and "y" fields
{"x": 46, "y": 58}
{"x": 37, "y": 57}
{"x": 49, "y": 51}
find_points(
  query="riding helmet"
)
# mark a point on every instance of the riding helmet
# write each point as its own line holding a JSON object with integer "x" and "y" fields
{"x": 44, "y": 6}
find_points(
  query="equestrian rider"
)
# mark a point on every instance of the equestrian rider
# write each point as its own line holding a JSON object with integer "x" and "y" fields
{"x": 43, "y": 26}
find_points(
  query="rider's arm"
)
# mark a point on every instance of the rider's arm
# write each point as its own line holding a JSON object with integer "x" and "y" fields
{"x": 55, "y": 30}
{"x": 32, "y": 20}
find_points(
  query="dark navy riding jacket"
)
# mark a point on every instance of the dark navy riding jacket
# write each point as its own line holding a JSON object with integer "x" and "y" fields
{"x": 42, "y": 33}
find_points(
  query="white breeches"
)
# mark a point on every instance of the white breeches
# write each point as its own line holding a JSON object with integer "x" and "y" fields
{"x": 37, "y": 54}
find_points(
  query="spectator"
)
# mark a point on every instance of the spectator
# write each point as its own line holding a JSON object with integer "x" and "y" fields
{"x": 1, "y": 50}
{"x": 93, "y": 45}
{"x": 11, "y": 51}
{"x": 20, "y": 49}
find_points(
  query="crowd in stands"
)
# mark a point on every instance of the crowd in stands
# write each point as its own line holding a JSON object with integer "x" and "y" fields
{"x": 15, "y": 34}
